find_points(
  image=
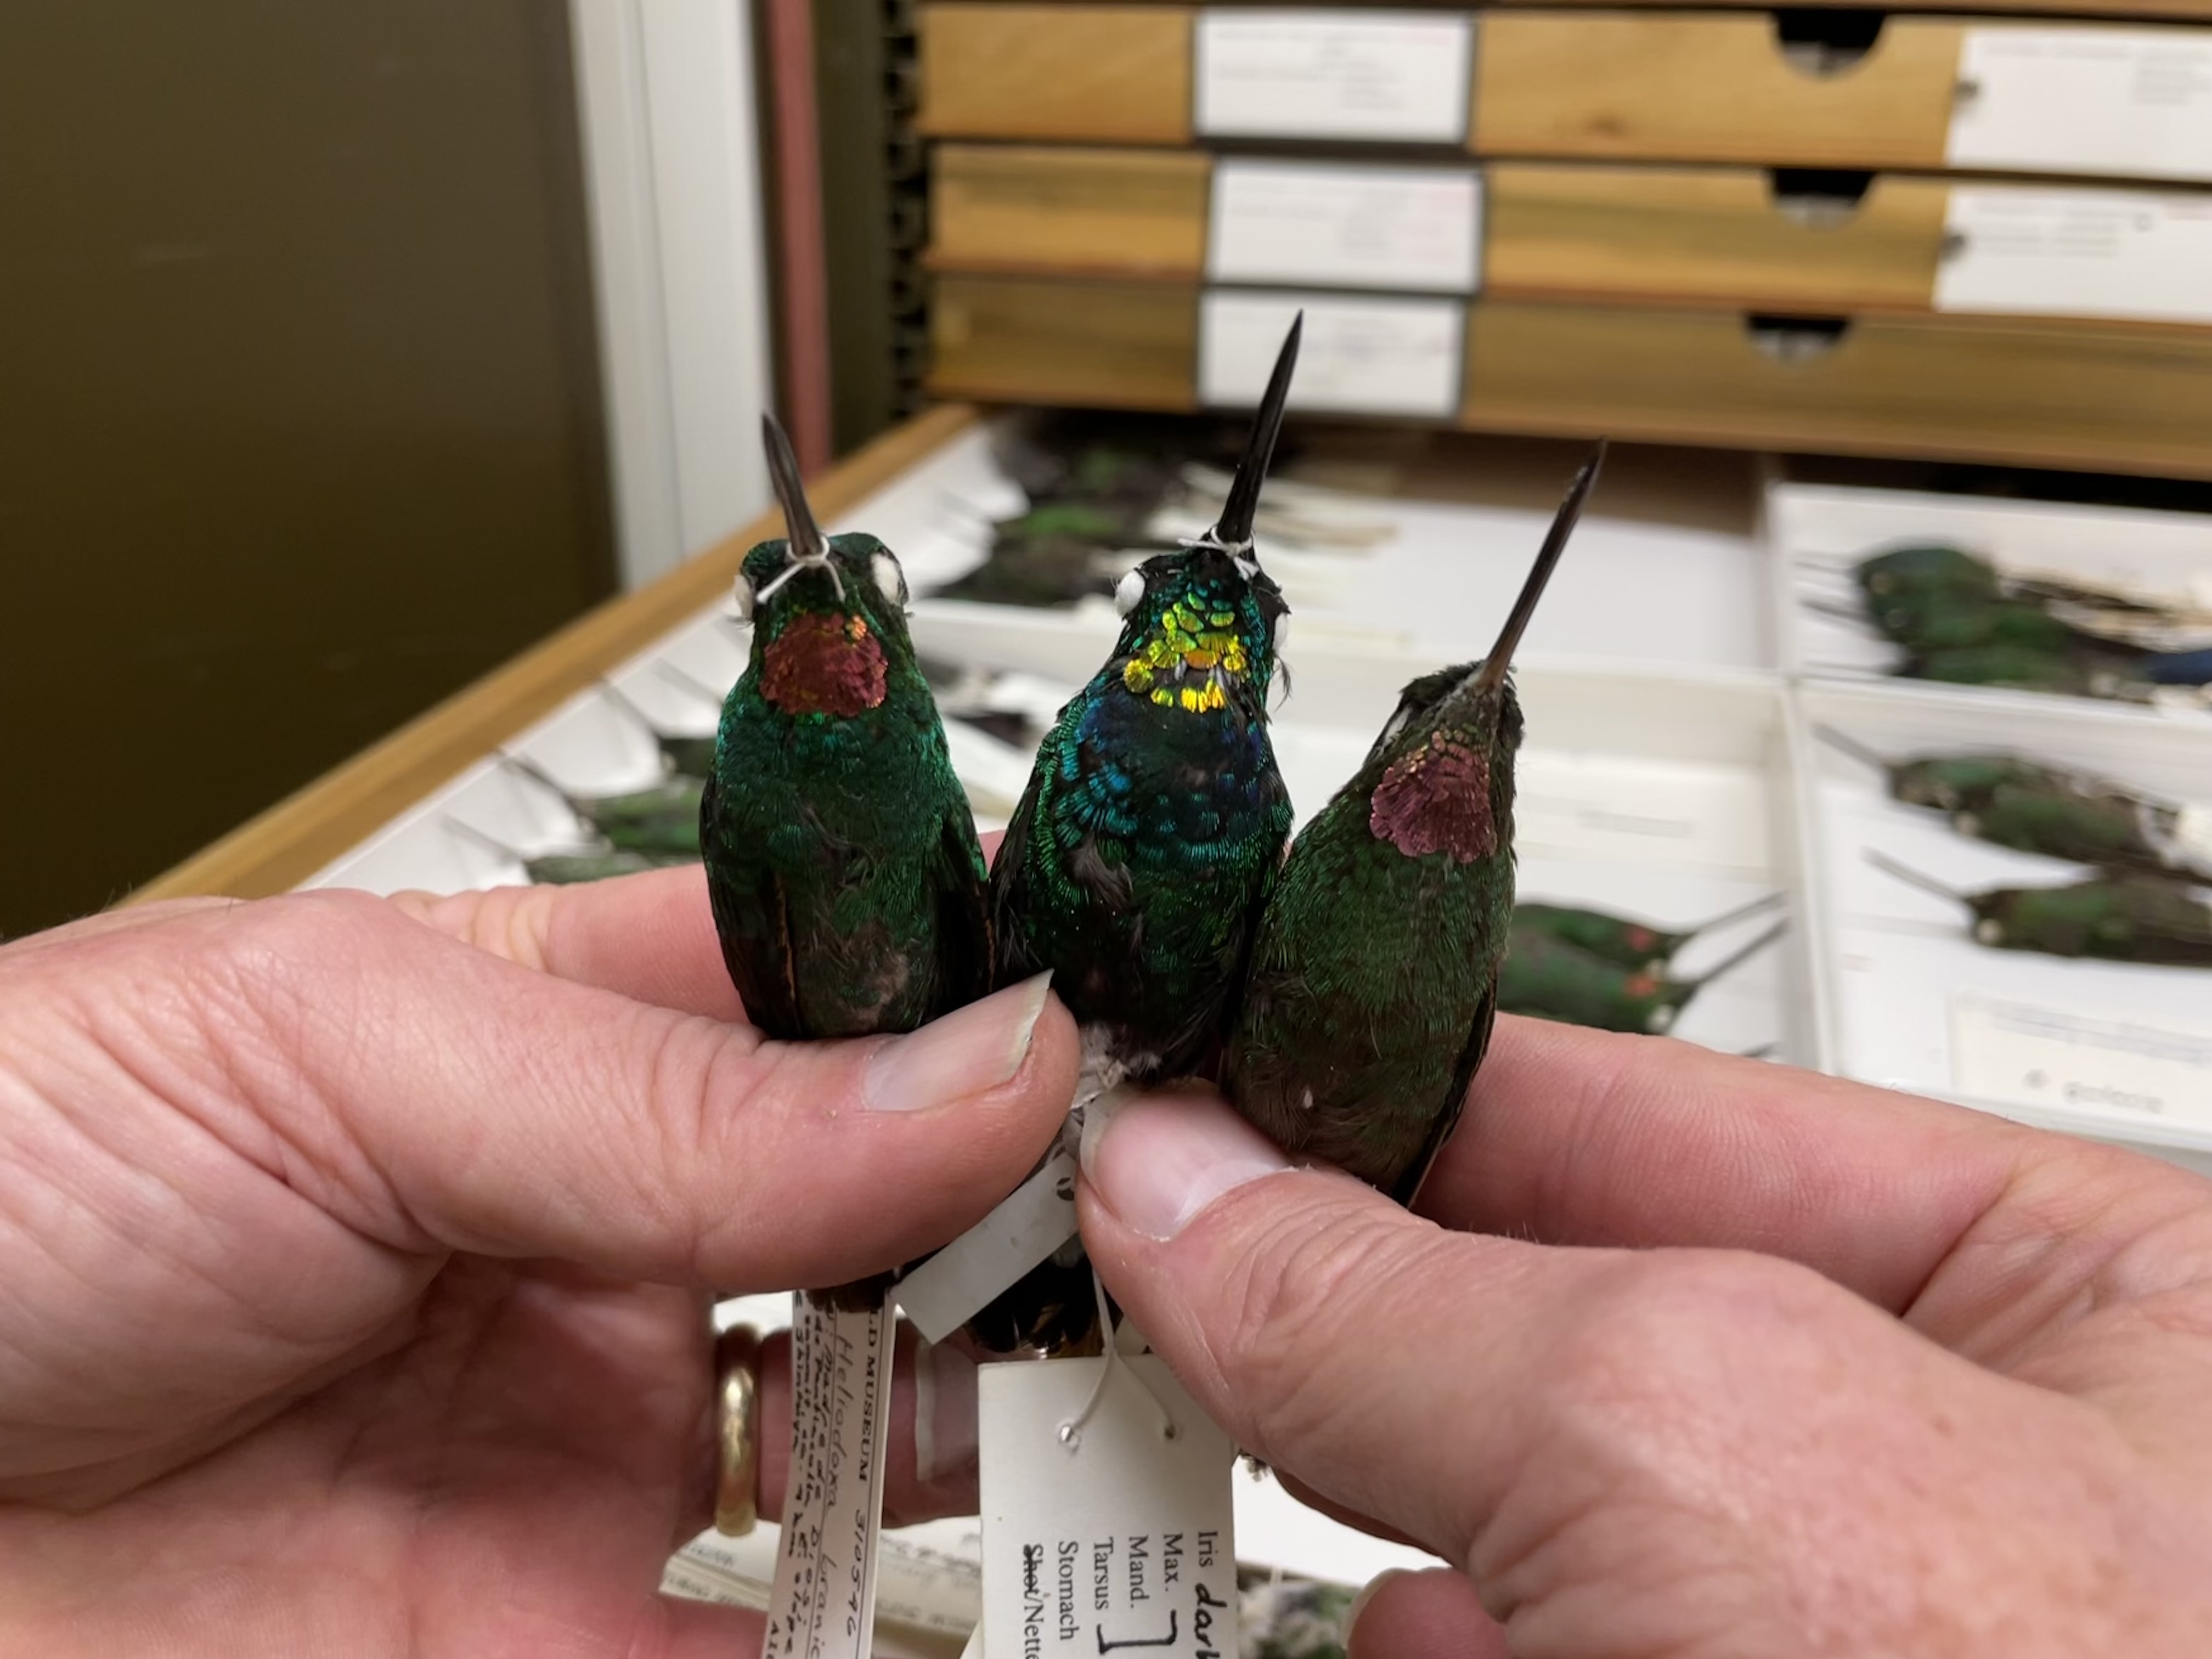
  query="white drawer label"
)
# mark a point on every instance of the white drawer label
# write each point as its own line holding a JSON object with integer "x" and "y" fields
{"x": 1359, "y": 356}
{"x": 2077, "y": 254}
{"x": 2018, "y": 1052}
{"x": 2127, "y": 101}
{"x": 1346, "y": 226}
{"x": 1382, "y": 75}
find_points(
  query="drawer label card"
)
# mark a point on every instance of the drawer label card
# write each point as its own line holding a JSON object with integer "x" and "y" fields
{"x": 1396, "y": 75}
{"x": 1346, "y": 225}
{"x": 1359, "y": 356}
{"x": 2077, "y": 254}
{"x": 2006, "y": 1050}
{"x": 2125, "y": 102}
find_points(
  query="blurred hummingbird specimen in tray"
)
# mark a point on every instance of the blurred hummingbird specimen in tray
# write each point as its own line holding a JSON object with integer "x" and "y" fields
{"x": 1374, "y": 979}
{"x": 1140, "y": 856}
{"x": 841, "y": 860}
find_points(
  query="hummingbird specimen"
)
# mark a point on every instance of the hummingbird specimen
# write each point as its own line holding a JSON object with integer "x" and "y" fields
{"x": 1374, "y": 978}
{"x": 1616, "y": 939}
{"x": 1959, "y": 619}
{"x": 568, "y": 865}
{"x": 841, "y": 861}
{"x": 1138, "y": 861}
{"x": 2119, "y": 918}
{"x": 1552, "y": 978}
{"x": 2033, "y": 808}
{"x": 660, "y": 821}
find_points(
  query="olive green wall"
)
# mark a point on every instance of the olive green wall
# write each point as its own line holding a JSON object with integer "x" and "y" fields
{"x": 299, "y": 423}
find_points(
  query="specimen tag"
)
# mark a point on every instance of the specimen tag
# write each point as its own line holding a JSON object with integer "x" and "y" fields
{"x": 823, "y": 1604}
{"x": 1401, "y": 76}
{"x": 2132, "y": 102}
{"x": 954, "y": 1286}
{"x": 2006, "y": 1050}
{"x": 2077, "y": 254}
{"x": 929, "y": 1579}
{"x": 1376, "y": 356}
{"x": 1114, "y": 1534}
{"x": 1345, "y": 225}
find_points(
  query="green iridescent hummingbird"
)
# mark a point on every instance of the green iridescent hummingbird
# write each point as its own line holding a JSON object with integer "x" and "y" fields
{"x": 841, "y": 859}
{"x": 1374, "y": 979}
{"x": 1138, "y": 862}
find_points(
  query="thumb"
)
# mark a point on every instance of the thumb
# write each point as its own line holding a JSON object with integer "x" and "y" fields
{"x": 1542, "y": 1418}
{"x": 1301, "y": 1307}
{"x": 432, "y": 1095}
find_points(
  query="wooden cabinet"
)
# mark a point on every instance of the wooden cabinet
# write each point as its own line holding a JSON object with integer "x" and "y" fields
{"x": 1668, "y": 86}
{"x": 1026, "y": 208}
{"x": 1113, "y": 74}
{"x": 2126, "y": 400}
{"x": 2114, "y": 397}
{"x": 1736, "y": 236}
{"x": 1119, "y": 346}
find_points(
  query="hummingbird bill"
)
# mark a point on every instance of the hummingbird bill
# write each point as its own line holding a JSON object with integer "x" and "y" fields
{"x": 846, "y": 881}
{"x": 1137, "y": 864}
{"x": 1374, "y": 977}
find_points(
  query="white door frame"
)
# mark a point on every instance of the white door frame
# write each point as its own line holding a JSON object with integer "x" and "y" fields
{"x": 673, "y": 189}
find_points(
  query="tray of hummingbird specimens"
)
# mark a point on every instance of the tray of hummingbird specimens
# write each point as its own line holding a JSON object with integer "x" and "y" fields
{"x": 2016, "y": 910}
{"x": 2015, "y": 596}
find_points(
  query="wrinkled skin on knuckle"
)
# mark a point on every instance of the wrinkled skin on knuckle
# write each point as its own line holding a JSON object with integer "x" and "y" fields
{"x": 1299, "y": 1294}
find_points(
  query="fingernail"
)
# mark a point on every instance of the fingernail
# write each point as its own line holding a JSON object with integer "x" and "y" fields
{"x": 968, "y": 1052}
{"x": 944, "y": 1413}
{"x": 1359, "y": 1602}
{"x": 1158, "y": 1160}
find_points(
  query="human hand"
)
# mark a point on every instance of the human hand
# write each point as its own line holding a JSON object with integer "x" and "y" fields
{"x": 1743, "y": 1362}
{"x": 358, "y": 1251}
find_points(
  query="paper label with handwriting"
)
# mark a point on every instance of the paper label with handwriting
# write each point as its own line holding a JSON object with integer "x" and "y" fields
{"x": 2003, "y": 1049}
{"x": 928, "y": 1578}
{"x": 2128, "y": 101}
{"x": 1397, "y": 75}
{"x": 1346, "y": 225}
{"x": 1359, "y": 357}
{"x": 951, "y": 1288}
{"x": 2077, "y": 254}
{"x": 1120, "y": 1542}
{"x": 823, "y": 1603}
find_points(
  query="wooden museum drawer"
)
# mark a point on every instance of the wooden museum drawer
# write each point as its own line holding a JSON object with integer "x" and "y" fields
{"x": 1721, "y": 235}
{"x": 1039, "y": 208}
{"x": 1116, "y": 74}
{"x": 1709, "y": 86}
{"x": 1124, "y": 345}
{"x": 1846, "y": 89}
{"x": 2126, "y": 398}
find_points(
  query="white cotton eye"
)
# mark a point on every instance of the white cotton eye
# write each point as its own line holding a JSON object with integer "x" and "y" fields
{"x": 1397, "y": 725}
{"x": 743, "y": 595}
{"x": 890, "y": 580}
{"x": 1129, "y": 591}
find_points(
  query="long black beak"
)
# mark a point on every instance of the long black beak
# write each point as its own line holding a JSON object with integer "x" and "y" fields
{"x": 1234, "y": 530}
{"x": 1491, "y": 674}
{"x": 1737, "y": 915}
{"x": 1851, "y": 746}
{"x": 1911, "y": 878}
{"x": 808, "y": 543}
{"x": 1735, "y": 958}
